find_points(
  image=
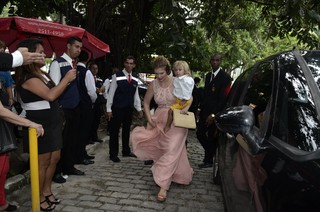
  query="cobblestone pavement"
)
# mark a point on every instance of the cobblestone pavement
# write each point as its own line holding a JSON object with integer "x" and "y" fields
{"x": 129, "y": 186}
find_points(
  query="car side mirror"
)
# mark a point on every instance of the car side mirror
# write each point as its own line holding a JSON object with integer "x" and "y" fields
{"x": 240, "y": 120}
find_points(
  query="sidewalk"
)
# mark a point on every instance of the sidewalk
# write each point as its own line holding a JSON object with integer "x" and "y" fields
{"x": 128, "y": 186}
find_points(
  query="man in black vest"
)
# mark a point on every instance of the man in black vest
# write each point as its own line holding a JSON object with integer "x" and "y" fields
{"x": 88, "y": 96}
{"x": 99, "y": 103}
{"x": 216, "y": 88}
{"x": 69, "y": 101}
{"x": 123, "y": 97}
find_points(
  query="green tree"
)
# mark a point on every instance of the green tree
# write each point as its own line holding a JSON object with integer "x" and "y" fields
{"x": 242, "y": 30}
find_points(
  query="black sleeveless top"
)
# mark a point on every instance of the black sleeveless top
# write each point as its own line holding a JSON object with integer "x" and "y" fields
{"x": 46, "y": 113}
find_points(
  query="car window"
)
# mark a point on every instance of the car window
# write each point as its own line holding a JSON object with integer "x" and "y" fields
{"x": 238, "y": 88}
{"x": 313, "y": 60}
{"x": 295, "y": 115}
{"x": 259, "y": 91}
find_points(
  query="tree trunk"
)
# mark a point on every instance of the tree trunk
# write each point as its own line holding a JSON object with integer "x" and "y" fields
{"x": 122, "y": 25}
{"x": 90, "y": 16}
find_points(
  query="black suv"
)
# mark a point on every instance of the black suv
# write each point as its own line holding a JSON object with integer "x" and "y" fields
{"x": 269, "y": 145}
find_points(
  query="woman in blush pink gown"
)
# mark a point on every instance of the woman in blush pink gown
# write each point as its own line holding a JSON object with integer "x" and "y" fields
{"x": 167, "y": 150}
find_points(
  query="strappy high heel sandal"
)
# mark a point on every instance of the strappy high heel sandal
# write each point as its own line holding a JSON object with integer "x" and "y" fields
{"x": 161, "y": 197}
{"x": 55, "y": 201}
{"x": 50, "y": 207}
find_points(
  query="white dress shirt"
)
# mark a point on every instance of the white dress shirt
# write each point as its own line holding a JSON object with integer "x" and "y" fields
{"x": 90, "y": 83}
{"x": 183, "y": 87}
{"x": 106, "y": 85}
{"x": 214, "y": 74}
{"x": 54, "y": 70}
{"x": 17, "y": 59}
{"x": 113, "y": 88}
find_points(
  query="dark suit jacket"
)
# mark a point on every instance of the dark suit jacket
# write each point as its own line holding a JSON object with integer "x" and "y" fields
{"x": 5, "y": 61}
{"x": 215, "y": 93}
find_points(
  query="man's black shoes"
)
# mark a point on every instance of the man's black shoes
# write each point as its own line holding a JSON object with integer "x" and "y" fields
{"x": 74, "y": 171}
{"x": 95, "y": 141}
{"x": 129, "y": 155}
{"x": 148, "y": 162}
{"x": 86, "y": 162}
{"x": 89, "y": 157}
{"x": 57, "y": 178}
{"x": 205, "y": 165}
{"x": 115, "y": 159}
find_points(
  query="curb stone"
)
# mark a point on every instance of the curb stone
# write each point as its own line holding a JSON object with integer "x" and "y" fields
{"x": 18, "y": 181}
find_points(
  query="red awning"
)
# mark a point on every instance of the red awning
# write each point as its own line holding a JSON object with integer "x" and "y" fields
{"x": 53, "y": 35}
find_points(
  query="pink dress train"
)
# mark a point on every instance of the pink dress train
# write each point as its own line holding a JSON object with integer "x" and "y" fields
{"x": 168, "y": 151}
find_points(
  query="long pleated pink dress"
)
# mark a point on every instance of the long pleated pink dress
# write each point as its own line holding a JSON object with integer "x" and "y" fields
{"x": 168, "y": 150}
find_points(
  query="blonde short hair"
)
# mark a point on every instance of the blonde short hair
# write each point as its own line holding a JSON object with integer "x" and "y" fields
{"x": 183, "y": 64}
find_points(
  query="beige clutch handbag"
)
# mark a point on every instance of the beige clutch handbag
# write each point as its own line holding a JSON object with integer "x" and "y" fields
{"x": 184, "y": 120}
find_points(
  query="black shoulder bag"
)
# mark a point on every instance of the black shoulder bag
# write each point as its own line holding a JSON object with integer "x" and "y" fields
{"x": 8, "y": 140}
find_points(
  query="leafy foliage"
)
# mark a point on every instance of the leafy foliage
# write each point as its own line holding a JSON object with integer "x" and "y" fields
{"x": 295, "y": 18}
{"x": 36, "y": 8}
{"x": 242, "y": 30}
